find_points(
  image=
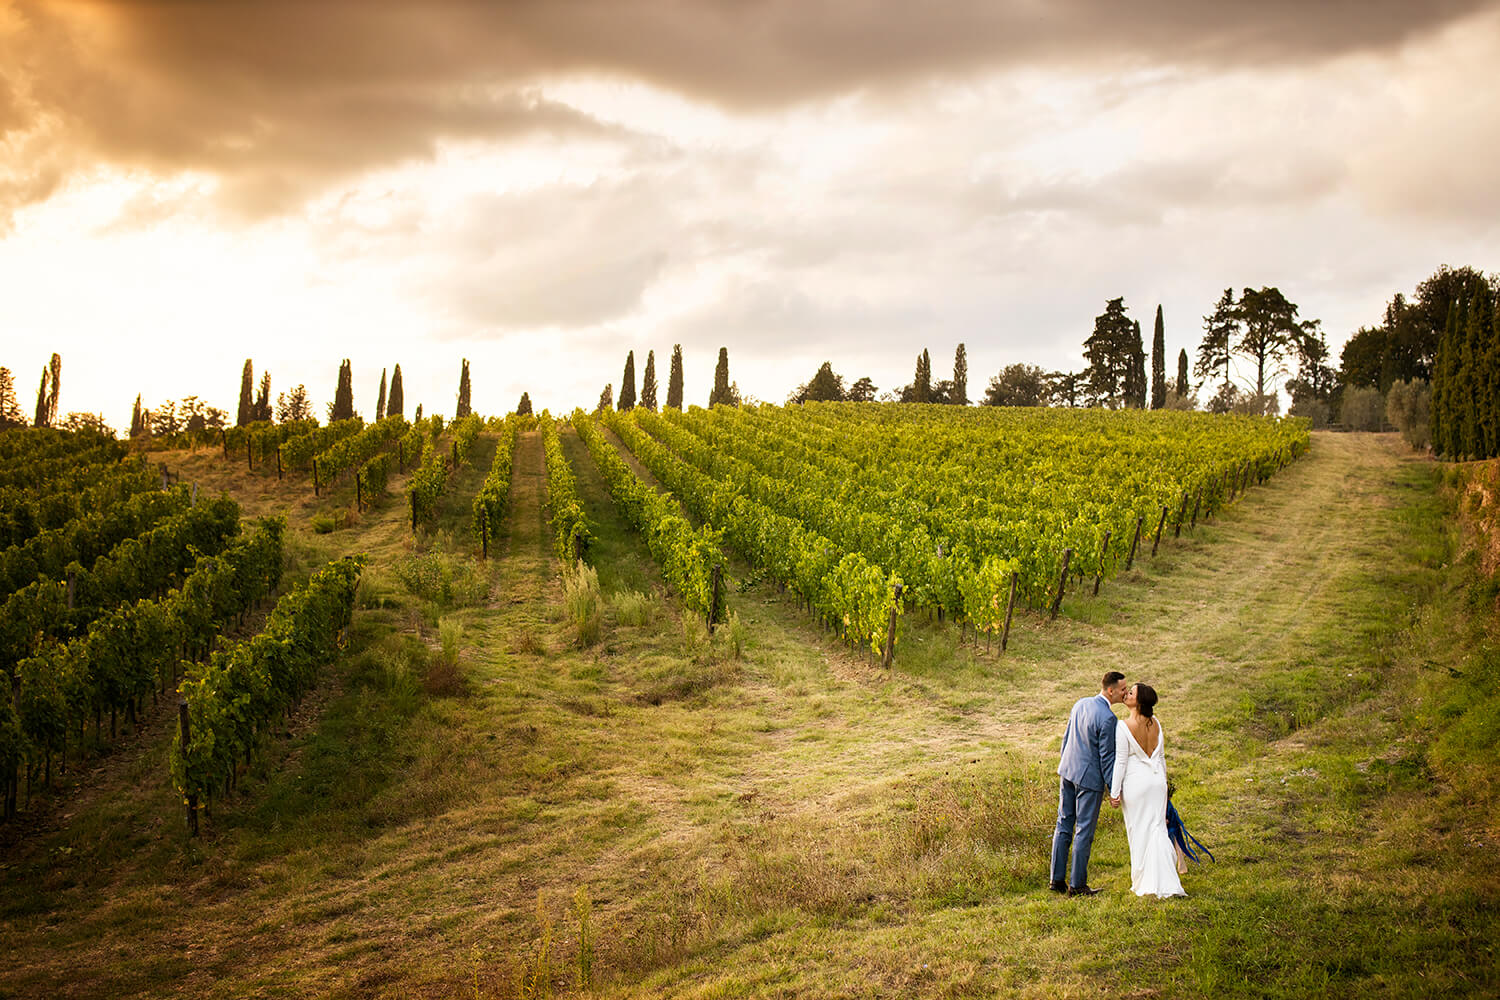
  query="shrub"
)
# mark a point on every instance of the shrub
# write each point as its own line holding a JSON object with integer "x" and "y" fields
{"x": 1363, "y": 409}
{"x": 446, "y": 580}
{"x": 1408, "y": 406}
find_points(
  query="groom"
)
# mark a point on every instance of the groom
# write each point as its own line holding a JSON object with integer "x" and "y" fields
{"x": 1088, "y": 762}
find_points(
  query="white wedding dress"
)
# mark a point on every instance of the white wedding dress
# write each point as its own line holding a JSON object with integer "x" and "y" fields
{"x": 1141, "y": 779}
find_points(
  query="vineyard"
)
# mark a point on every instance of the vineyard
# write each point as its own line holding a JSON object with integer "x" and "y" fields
{"x": 814, "y": 723}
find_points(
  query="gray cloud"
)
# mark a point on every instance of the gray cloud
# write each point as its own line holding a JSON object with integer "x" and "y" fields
{"x": 283, "y": 98}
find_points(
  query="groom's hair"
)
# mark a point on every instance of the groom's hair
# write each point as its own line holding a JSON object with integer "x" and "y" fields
{"x": 1112, "y": 678}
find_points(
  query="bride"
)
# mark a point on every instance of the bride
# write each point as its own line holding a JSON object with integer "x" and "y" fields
{"x": 1140, "y": 780}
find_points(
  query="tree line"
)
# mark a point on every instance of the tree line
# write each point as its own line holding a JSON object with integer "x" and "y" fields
{"x": 724, "y": 392}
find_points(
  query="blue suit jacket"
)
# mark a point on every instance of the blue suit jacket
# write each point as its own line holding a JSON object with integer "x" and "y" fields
{"x": 1088, "y": 748}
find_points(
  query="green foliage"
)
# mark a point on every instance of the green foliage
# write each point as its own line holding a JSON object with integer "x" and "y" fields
{"x": 634, "y": 608}
{"x": 570, "y": 526}
{"x": 1408, "y": 406}
{"x": 243, "y": 687}
{"x": 1362, "y": 409}
{"x": 674, "y": 380}
{"x": 494, "y": 493}
{"x": 444, "y": 579}
{"x": 686, "y": 555}
{"x": 355, "y": 450}
{"x": 721, "y": 394}
{"x": 297, "y": 452}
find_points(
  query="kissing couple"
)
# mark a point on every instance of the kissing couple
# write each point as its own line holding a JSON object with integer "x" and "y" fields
{"x": 1129, "y": 753}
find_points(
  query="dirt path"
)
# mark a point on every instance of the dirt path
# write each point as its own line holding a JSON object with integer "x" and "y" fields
{"x": 528, "y": 569}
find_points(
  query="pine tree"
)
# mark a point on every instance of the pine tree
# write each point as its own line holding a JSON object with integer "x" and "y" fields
{"x": 11, "y": 414}
{"x": 721, "y": 394}
{"x": 294, "y": 406}
{"x": 627, "y": 384}
{"x": 1159, "y": 363}
{"x": 380, "y": 402}
{"x": 342, "y": 407}
{"x": 246, "y": 412}
{"x": 1182, "y": 373}
{"x": 137, "y": 419}
{"x": 648, "y": 383}
{"x": 1110, "y": 352}
{"x": 395, "y": 404}
{"x": 606, "y": 398}
{"x": 960, "y": 394}
{"x": 463, "y": 409}
{"x": 262, "y": 408}
{"x": 1220, "y": 330}
{"x": 523, "y": 408}
{"x": 674, "y": 379}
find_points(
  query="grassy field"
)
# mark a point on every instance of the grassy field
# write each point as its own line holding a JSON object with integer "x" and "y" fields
{"x": 476, "y": 804}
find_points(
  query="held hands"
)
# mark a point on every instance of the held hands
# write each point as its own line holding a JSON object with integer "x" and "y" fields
{"x": 1115, "y": 801}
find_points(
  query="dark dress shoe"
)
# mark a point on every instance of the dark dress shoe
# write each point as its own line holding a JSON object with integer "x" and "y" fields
{"x": 1085, "y": 891}
{"x": 1059, "y": 887}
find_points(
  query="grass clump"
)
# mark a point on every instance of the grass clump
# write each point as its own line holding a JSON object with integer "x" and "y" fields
{"x": 583, "y": 605}
{"x": 635, "y": 608}
{"x": 443, "y": 677}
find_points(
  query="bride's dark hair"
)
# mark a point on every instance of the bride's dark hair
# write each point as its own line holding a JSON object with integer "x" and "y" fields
{"x": 1145, "y": 699}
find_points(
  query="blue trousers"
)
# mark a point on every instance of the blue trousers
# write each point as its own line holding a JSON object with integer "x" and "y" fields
{"x": 1077, "y": 816}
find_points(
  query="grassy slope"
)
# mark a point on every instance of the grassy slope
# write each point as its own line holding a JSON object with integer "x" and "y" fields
{"x": 796, "y": 822}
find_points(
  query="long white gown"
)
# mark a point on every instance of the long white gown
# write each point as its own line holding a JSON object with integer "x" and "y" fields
{"x": 1141, "y": 778}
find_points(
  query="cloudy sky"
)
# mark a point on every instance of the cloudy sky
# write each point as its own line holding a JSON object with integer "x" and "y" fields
{"x": 541, "y": 186}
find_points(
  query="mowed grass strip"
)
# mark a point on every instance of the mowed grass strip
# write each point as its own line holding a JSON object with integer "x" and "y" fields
{"x": 657, "y": 817}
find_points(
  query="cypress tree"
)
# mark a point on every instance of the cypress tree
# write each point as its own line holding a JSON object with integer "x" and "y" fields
{"x": 1159, "y": 363}
{"x": 1492, "y": 381}
{"x": 463, "y": 409}
{"x": 523, "y": 408}
{"x": 721, "y": 396}
{"x": 1182, "y": 373}
{"x": 342, "y": 407}
{"x": 606, "y": 399}
{"x": 416, "y": 417}
{"x": 40, "y": 418}
{"x": 921, "y": 383}
{"x": 648, "y": 383}
{"x": 247, "y": 396}
{"x": 137, "y": 419}
{"x": 1467, "y": 386}
{"x": 262, "y": 408}
{"x": 380, "y": 402}
{"x": 1442, "y": 377}
{"x": 54, "y": 388}
{"x": 627, "y": 384}
{"x": 396, "y": 403}
{"x": 674, "y": 379}
{"x": 960, "y": 394}
{"x": 1138, "y": 386}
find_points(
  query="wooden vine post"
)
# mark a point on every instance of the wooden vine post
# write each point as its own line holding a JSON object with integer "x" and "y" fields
{"x": 1159, "y": 525}
{"x": 1010, "y": 606}
{"x": 249, "y": 453}
{"x": 1134, "y": 542}
{"x": 278, "y": 463}
{"x": 1062, "y": 582}
{"x": 359, "y": 492}
{"x": 192, "y": 797}
{"x": 315, "y": 478}
{"x": 1181, "y": 516}
{"x": 890, "y": 631}
{"x": 484, "y": 532}
{"x": 224, "y": 435}
{"x": 1197, "y": 501}
{"x": 716, "y": 579}
{"x": 413, "y": 497}
{"x": 1100, "y": 574}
